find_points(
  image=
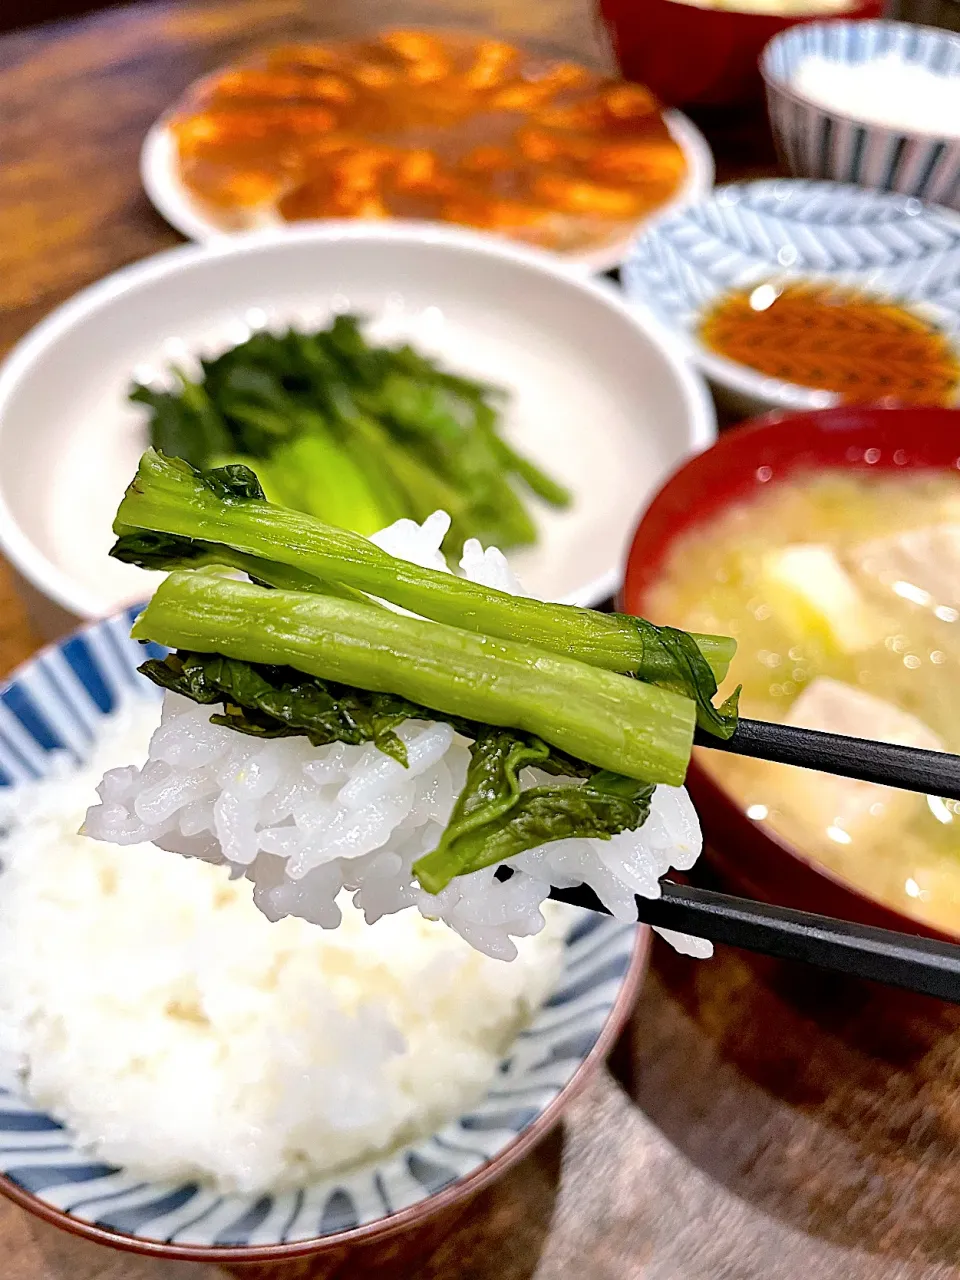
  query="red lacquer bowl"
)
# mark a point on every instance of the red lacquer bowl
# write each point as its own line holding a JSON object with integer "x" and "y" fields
{"x": 748, "y": 856}
{"x": 693, "y": 56}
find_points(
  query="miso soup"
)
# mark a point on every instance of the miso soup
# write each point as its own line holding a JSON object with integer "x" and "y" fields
{"x": 843, "y": 592}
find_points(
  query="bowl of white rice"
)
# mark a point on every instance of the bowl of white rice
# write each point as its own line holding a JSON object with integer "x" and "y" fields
{"x": 183, "y": 1077}
{"x": 876, "y": 104}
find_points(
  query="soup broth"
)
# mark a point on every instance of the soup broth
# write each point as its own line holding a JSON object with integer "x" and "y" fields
{"x": 843, "y": 592}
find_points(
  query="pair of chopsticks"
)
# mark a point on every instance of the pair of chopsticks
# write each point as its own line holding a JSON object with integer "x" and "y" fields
{"x": 923, "y": 965}
{"x": 935, "y": 773}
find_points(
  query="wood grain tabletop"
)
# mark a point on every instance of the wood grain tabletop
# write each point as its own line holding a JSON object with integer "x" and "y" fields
{"x": 754, "y": 1122}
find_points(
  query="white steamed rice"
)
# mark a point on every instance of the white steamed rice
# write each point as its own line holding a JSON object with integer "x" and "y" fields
{"x": 145, "y": 1002}
{"x": 305, "y": 823}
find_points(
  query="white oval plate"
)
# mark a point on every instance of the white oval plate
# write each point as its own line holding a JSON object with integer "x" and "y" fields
{"x": 161, "y": 181}
{"x": 600, "y": 396}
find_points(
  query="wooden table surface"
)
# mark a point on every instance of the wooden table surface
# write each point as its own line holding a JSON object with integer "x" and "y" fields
{"x": 751, "y": 1124}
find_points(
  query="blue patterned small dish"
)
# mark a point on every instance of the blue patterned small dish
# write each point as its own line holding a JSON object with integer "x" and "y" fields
{"x": 782, "y": 229}
{"x": 817, "y": 142}
{"x": 57, "y": 702}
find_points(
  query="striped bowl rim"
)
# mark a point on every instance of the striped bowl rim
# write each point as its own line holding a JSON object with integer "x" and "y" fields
{"x": 801, "y": 34}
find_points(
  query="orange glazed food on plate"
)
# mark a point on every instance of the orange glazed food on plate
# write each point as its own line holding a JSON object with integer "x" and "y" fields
{"x": 421, "y": 125}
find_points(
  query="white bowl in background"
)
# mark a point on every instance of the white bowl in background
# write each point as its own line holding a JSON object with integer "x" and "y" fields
{"x": 783, "y": 229}
{"x": 817, "y": 142}
{"x": 160, "y": 176}
{"x": 600, "y": 396}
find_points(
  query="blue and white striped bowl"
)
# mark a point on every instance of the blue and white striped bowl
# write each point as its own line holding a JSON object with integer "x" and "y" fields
{"x": 56, "y": 704}
{"x": 814, "y": 142}
{"x": 787, "y": 228}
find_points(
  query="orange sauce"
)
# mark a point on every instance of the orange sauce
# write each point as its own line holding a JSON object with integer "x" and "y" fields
{"x": 417, "y": 124}
{"x": 835, "y": 339}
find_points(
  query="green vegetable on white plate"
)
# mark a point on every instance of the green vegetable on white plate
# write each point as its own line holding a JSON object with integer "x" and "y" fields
{"x": 355, "y": 434}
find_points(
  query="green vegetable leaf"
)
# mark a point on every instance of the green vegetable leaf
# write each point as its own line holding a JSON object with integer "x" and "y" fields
{"x": 532, "y": 476}
{"x": 494, "y": 818}
{"x": 278, "y": 702}
{"x": 165, "y": 552}
{"x": 234, "y": 483}
{"x": 168, "y": 495}
{"x": 391, "y": 433}
{"x": 492, "y": 787}
{"x": 673, "y": 660}
{"x": 184, "y": 422}
{"x": 273, "y": 701}
{"x": 149, "y": 550}
{"x": 318, "y": 476}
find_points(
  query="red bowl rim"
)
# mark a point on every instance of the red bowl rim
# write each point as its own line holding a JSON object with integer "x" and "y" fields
{"x": 760, "y": 21}
{"x": 415, "y": 1214}
{"x": 630, "y": 599}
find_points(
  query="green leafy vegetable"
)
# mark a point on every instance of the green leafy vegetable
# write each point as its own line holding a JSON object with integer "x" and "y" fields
{"x": 235, "y": 482}
{"x": 605, "y": 719}
{"x": 490, "y": 826}
{"x": 168, "y": 496}
{"x": 279, "y": 702}
{"x": 161, "y": 551}
{"x": 184, "y": 423}
{"x": 302, "y": 649}
{"x": 673, "y": 660}
{"x": 493, "y": 818}
{"x": 355, "y": 434}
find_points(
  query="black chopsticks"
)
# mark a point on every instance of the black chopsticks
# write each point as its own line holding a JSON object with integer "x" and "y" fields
{"x": 914, "y": 963}
{"x": 935, "y": 773}
{"x": 923, "y": 965}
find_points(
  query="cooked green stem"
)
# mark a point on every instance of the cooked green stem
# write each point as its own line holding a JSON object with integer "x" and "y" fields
{"x": 165, "y": 552}
{"x": 169, "y": 497}
{"x": 598, "y": 716}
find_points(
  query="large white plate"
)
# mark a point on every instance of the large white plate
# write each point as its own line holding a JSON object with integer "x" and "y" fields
{"x": 161, "y": 181}
{"x": 599, "y": 396}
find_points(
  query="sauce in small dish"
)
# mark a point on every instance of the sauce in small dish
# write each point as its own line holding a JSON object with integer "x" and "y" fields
{"x": 862, "y": 347}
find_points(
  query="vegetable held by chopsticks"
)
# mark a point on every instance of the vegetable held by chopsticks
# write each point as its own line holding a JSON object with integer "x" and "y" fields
{"x": 587, "y": 712}
{"x": 572, "y": 717}
{"x": 198, "y": 512}
{"x": 354, "y": 434}
{"x": 306, "y": 647}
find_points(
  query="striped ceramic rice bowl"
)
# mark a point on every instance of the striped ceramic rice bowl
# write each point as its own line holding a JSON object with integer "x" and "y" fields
{"x": 816, "y": 142}
{"x": 56, "y": 714}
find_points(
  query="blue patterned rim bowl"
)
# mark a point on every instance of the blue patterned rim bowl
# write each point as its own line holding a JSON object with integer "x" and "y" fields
{"x": 816, "y": 142}
{"x": 780, "y": 229}
{"x": 56, "y": 703}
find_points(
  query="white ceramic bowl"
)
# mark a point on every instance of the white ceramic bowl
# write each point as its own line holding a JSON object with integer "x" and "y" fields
{"x": 815, "y": 142}
{"x": 161, "y": 181}
{"x": 780, "y": 229}
{"x": 601, "y": 397}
